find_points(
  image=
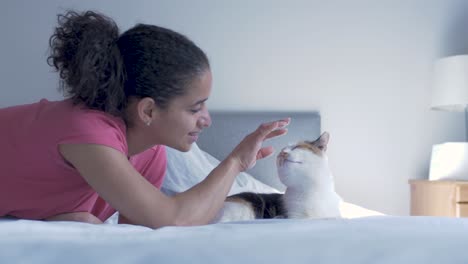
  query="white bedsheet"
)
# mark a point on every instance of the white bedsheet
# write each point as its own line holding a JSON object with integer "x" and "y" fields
{"x": 377, "y": 239}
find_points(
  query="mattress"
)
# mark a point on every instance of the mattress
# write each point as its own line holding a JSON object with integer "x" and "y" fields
{"x": 376, "y": 239}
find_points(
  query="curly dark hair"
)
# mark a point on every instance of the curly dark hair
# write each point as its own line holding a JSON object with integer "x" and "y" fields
{"x": 103, "y": 70}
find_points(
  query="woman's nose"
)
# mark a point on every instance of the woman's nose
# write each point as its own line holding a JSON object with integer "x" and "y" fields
{"x": 205, "y": 120}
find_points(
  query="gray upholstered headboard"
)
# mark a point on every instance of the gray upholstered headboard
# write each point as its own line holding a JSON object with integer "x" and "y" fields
{"x": 229, "y": 128}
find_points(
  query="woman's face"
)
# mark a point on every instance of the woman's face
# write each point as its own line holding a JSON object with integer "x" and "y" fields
{"x": 179, "y": 125}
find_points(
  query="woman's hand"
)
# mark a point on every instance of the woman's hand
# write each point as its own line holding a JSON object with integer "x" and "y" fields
{"x": 84, "y": 217}
{"x": 250, "y": 148}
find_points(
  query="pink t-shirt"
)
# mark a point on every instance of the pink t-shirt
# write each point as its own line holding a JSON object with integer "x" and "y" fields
{"x": 35, "y": 180}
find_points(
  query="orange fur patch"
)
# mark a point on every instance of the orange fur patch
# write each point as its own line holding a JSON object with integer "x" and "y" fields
{"x": 310, "y": 147}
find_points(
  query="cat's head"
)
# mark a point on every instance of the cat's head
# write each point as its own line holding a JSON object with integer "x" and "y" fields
{"x": 304, "y": 162}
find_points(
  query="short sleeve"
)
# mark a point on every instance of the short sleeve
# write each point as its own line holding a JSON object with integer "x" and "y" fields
{"x": 94, "y": 127}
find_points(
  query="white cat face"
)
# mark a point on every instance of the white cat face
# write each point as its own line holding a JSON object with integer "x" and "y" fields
{"x": 301, "y": 163}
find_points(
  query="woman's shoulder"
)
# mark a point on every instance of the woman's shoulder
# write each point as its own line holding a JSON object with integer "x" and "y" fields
{"x": 75, "y": 123}
{"x": 59, "y": 122}
{"x": 79, "y": 118}
{"x": 61, "y": 113}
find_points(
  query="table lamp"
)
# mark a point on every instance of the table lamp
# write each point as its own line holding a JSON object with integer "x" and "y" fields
{"x": 449, "y": 161}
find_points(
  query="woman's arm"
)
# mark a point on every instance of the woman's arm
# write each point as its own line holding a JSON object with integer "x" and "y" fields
{"x": 200, "y": 204}
{"x": 110, "y": 173}
{"x": 84, "y": 217}
{"x": 205, "y": 199}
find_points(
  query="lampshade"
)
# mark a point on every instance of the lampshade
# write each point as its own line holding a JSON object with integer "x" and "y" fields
{"x": 450, "y": 89}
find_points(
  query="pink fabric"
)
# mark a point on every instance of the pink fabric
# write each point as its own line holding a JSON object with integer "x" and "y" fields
{"x": 36, "y": 182}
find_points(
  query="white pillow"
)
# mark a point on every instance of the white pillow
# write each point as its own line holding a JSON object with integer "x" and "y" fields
{"x": 185, "y": 169}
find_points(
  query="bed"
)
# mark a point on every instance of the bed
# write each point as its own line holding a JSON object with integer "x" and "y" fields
{"x": 368, "y": 237}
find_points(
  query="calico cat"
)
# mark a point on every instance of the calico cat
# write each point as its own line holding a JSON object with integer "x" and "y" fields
{"x": 310, "y": 191}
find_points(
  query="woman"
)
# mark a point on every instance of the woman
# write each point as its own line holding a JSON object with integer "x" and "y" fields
{"x": 102, "y": 149}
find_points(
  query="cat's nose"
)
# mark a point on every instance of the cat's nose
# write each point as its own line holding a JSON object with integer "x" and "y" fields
{"x": 283, "y": 154}
{"x": 280, "y": 159}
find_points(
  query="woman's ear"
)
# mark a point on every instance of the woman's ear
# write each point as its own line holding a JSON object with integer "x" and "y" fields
{"x": 146, "y": 110}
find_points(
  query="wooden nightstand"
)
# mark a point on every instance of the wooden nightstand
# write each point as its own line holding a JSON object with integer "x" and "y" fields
{"x": 439, "y": 198}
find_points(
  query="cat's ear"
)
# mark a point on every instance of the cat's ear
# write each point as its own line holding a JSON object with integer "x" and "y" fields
{"x": 322, "y": 141}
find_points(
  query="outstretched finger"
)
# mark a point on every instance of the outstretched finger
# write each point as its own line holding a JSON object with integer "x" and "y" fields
{"x": 278, "y": 132}
{"x": 266, "y": 128}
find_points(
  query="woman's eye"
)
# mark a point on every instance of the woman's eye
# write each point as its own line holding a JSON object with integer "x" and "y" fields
{"x": 198, "y": 108}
